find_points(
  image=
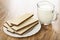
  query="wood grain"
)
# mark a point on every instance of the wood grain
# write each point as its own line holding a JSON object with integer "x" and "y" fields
{"x": 46, "y": 33}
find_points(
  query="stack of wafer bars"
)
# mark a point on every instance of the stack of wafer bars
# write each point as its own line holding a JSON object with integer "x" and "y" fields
{"x": 21, "y": 24}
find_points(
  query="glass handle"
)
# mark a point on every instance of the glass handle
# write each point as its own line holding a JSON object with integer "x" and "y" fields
{"x": 55, "y": 16}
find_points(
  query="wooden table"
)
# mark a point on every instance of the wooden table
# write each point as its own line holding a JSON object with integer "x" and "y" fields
{"x": 46, "y": 33}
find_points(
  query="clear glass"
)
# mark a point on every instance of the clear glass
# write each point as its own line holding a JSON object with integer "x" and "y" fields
{"x": 45, "y": 11}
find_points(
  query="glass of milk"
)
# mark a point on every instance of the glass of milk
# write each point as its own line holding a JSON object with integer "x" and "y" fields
{"x": 46, "y": 12}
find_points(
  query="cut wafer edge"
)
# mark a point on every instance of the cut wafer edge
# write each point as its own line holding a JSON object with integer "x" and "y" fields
{"x": 26, "y": 23}
{"x": 24, "y": 26}
{"x": 10, "y": 23}
{"x": 17, "y": 24}
{"x": 27, "y": 29}
{"x": 8, "y": 27}
{"x": 12, "y": 31}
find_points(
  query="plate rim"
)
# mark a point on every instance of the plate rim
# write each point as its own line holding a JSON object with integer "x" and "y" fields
{"x": 23, "y": 36}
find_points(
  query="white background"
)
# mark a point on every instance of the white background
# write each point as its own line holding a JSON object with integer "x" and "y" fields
{"x": 22, "y": 6}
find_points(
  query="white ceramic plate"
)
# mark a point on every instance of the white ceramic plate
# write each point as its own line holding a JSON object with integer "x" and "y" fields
{"x": 28, "y": 33}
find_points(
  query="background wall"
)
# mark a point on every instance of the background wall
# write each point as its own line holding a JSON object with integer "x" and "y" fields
{"x": 22, "y": 6}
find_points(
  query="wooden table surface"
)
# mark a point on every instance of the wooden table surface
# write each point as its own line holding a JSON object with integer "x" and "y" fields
{"x": 46, "y": 33}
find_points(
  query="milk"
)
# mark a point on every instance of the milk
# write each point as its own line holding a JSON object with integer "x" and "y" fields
{"x": 45, "y": 14}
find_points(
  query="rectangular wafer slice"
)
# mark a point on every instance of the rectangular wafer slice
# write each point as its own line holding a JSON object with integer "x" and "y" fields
{"x": 9, "y": 23}
{"x": 26, "y": 23}
{"x": 5, "y": 25}
{"x": 20, "y": 19}
{"x": 22, "y": 31}
{"x": 8, "y": 27}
